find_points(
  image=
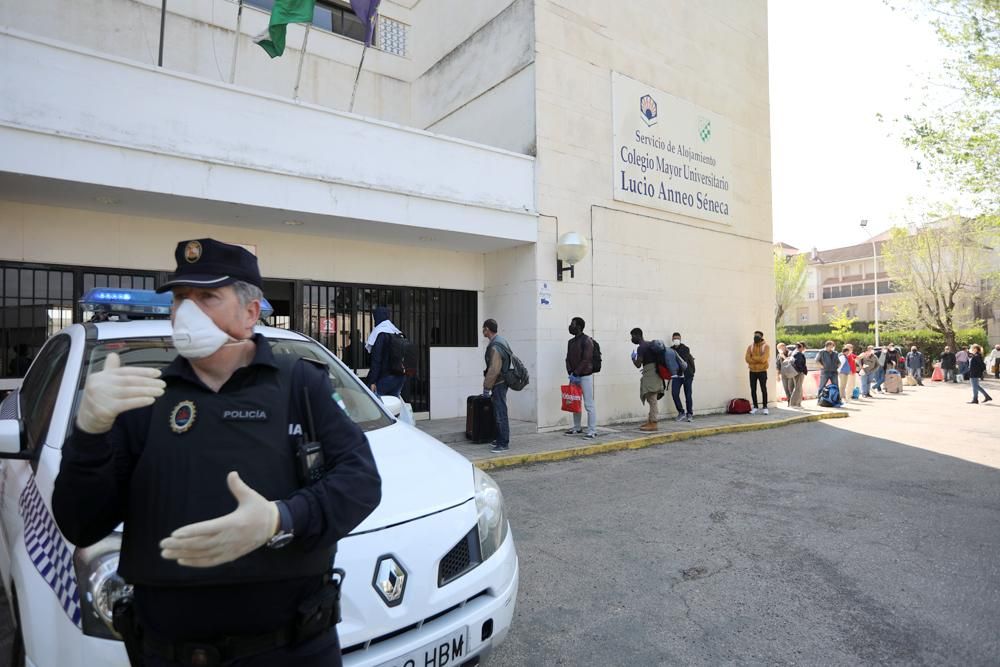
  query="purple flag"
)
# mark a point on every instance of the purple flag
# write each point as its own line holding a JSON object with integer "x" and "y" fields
{"x": 366, "y": 11}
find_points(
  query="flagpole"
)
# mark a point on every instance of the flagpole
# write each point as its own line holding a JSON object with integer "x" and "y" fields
{"x": 163, "y": 21}
{"x": 357, "y": 77}
{"x": 302, "y": 57}
{"x": 236, "y": 43}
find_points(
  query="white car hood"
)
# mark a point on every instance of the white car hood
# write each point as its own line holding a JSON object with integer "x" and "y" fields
{"x": 420, "y": 476}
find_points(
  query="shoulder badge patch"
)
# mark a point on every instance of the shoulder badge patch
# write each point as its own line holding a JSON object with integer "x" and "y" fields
{"x": 192, "y": 252}
{"x": 182, "y": 416}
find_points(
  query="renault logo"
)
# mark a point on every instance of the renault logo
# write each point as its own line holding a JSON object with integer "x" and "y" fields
{"x": 390, "y": 580}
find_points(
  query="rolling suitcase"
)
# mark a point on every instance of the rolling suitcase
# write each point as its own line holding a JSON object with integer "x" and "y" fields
{"x": 893, "y": 382}
{"x": 479, "y": 424}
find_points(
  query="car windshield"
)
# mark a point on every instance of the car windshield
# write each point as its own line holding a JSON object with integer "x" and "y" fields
{"x": 159, "y": 352}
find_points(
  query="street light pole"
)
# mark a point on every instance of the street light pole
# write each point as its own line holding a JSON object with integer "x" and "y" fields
{"x": 864, "y": 226}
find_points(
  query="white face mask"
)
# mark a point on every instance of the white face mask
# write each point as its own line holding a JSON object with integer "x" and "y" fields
{"x": 195, "y": 335}
{"x": 676, "y": 342}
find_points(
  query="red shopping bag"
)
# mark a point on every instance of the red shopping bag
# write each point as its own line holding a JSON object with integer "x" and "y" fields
{"x": 938, "y": 374}
{"x": 572, "y": 398}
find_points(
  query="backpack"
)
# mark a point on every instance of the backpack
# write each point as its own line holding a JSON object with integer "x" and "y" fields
{"x": 516, "y": 376}
{"x": 829, "y": 397}
{"x": 738, "y": 406}
{"x": 403, "y": 357}
{"x": 662, "y": 367}
{"x": 595, "y": 360}
{"x": 788, "y": 368}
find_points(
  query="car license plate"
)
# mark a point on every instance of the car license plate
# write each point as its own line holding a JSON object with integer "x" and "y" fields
{"x": 446, "y": 651}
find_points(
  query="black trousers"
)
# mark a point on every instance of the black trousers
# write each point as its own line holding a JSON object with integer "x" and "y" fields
{"x": 323, "y": 651}
{"x": 761, "y": 377}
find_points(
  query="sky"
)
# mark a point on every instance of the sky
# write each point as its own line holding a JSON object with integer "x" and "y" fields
{"x": 833, "y": 67}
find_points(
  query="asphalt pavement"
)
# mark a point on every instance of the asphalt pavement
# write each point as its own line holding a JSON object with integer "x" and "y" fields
{"x": 847, "y": 542}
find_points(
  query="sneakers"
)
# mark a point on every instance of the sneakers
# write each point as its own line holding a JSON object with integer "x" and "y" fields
{"x": 680, "y": 417}
{"x": 987, "y": 399}
{"x": 765, "y": 411}
{"x": 574, "y": 431}
{"x": 689, "y": 418}
{"x": 974, "y": 402}
{"x": 753, "y": 411}
{"x": 589, "y": 436}
{"x": 497, "y": 449}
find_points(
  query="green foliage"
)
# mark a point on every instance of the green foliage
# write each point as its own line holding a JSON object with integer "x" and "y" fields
{"x": 840, "y": 324}
{"x": 789, "y": 281}
{"x": 929, "y": 342}
{"x": 957, "y": 127}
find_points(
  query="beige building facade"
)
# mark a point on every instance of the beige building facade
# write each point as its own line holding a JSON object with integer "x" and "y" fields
{"x": 482, "y": 132}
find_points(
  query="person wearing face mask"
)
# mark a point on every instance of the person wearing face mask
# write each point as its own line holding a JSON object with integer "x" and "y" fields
{"x": 686, "y": 380}
{"x": 580, "y": 366}
{"x": 758, "y": 358}
{"x": 651, "y": 387}
{"x": 228, "y": 538}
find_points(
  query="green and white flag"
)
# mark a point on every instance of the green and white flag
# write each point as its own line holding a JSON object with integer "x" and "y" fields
{"x": 283, "y": 13}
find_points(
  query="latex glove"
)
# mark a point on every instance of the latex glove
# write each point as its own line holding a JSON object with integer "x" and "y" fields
{"x": 115, "y": 390}
{"x": 635, "y": 354}
{"x": 487, "y": 393}
{"x": 228, "y": 537}
{"x": 574, "y": 379}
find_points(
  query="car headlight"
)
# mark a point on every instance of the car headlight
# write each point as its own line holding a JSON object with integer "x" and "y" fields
{"x": 100, "y": 586}
{"x": 492, "y": 518}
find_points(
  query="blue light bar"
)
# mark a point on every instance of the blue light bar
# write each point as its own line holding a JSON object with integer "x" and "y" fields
{"x": 140, "y": 302}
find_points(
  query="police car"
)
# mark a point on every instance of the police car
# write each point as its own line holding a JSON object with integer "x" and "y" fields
{"x": 431, "y": 575}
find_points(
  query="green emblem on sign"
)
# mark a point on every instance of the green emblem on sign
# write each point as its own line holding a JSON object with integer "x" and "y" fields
{"x": 706, "y": 130}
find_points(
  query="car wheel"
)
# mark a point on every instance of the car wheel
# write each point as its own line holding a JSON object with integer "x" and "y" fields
{"x": 17, "y": 657}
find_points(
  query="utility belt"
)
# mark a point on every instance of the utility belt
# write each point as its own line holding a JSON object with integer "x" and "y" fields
{"x": 314, "y": 616}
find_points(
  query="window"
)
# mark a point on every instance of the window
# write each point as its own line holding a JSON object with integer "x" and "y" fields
{"x": 40, "y": 390}
{"x": 392, "y": 36}
{"x": 330, "y": 15}
{"x": 812, "y": 295}
{"x": 827, "y": 293}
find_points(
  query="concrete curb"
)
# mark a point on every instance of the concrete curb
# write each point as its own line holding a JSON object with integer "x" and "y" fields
{"x": 646, "y": 441}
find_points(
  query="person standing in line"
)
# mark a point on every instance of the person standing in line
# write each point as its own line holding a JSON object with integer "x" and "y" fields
{"x": 892, "y": 358}
{"x": 830, "y": 363}
{"x": 948, "y": 362}
{"x": 915, "y": 364}
{"x": 684, "y": 352}
{"x": 381, "y": 380}
{"x": 580, "y": 366}
{"x": 993, "y": 362}
{"x": 869, "y": 370}
{"x": 846, "y": 371}
{"x": 800, "y": 376}
{"x": 786, "y": 370}
{"x": 977, "y": 368}
{"x": 880, "y": 356}
{"x": 962, "y": 359}
{"x": 651, "y": 386}
{"x": 758, "y": 358}
{"x": 494, "y": 386}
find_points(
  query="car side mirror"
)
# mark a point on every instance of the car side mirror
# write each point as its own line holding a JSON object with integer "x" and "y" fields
{"x": 394, "y": 404}
{"x": 11, "y": 440}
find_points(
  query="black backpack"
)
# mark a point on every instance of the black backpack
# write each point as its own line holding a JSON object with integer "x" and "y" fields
{"x": 516, "y": 375}
{"x": 595, "y": 361}
{"x": 403, "y": 357}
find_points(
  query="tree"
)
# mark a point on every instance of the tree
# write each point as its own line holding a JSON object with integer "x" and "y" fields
{"x": 789, "y": 281}
{"x": 938, "y": 271}
{"x": 841, "y": 325}
{"x": 957, "y": 126}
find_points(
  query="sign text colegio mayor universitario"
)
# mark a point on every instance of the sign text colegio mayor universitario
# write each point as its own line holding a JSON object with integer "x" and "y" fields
{"x": 670, "y": 154}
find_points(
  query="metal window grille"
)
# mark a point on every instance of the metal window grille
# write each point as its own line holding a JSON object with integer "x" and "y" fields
{"x": 392, "y": 36}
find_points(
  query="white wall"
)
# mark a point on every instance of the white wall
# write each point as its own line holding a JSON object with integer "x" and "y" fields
{"x": 51, "y": 235}
{"x": 456, "y": 373}
{"x": 648, "y": 268}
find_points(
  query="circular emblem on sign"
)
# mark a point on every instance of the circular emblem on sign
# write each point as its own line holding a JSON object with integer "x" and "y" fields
{"x": 182, "y": 416}
{"x": 192, "y": 252}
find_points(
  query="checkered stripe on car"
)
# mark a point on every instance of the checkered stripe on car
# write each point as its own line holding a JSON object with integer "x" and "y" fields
{"x": 48, "y": 550}
{"x": 8, "y": 408}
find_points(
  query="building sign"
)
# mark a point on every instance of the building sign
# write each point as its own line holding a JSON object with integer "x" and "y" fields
{"x": 670, "y": 154}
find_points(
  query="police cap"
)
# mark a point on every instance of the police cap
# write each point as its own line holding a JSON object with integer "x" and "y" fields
{"x": 211, "y": 263}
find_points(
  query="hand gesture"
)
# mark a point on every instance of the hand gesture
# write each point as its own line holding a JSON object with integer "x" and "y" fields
{"x": 115, "y": 390}
{"x": 228, "y": 537}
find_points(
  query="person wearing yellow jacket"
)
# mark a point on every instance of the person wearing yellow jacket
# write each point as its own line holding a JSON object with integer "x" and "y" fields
{"x": 758, "y": 358}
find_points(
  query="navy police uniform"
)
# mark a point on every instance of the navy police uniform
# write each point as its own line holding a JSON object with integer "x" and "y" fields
{"x": 165, "y": 466}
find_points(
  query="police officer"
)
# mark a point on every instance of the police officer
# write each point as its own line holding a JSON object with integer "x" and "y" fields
{"x": 229, "y": 536}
